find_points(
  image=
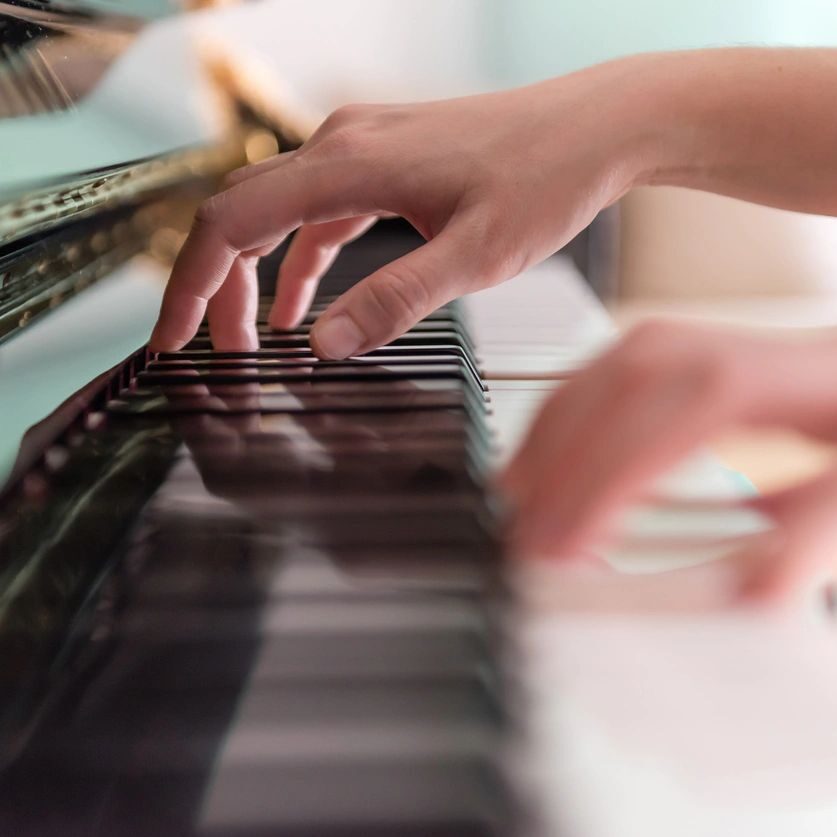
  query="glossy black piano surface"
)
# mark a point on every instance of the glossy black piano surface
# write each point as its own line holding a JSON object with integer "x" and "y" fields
{"x": 255, "y": 593}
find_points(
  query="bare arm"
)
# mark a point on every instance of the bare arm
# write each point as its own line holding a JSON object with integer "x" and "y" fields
{"x": 756, "y": 124}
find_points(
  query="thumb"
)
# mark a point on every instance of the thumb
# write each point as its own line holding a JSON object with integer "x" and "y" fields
{"x": 393, "y": 299}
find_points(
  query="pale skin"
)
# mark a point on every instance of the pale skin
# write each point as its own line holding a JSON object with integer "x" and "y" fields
{"x": 498, "y": 182}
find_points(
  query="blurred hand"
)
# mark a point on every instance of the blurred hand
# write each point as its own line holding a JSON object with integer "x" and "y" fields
{"x": 494, "y": 183}
{"x": 663, "y": 390}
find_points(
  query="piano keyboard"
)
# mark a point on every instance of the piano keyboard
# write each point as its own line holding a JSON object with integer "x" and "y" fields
{"x": 255, "y": 593}
{"x": 250, "y": 593}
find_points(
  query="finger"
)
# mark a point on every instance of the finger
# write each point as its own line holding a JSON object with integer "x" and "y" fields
{"x": 560, "y": 420}
{"x": 256, "y": 213}
{"x": 393, "y": 299}
{"x": 801, "y": 551}
{"x": 232, "y": 311}
{"x": 311, "y": 253}
{"x": 239, "y": 175}
{"x": 636, "y": 434}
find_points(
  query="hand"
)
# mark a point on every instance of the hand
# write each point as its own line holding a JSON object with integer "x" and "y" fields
{"x": 494, "y": 183}
{"x": 498, "y": 182}
{"x": 661, "y": 392}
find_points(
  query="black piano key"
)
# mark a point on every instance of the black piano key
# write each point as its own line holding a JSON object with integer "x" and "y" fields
{"x": 387, "y": 354}
{"x": 301, "y": 334}
{"x": 256, "y": 362}
{"x": 280, "y": 341}
{"x": 436, "y": 324}
{"x": 292, "y": 361}
{"x": 314, "y": 373}
{"x": 323, "y": 300}
{"x": 304, "y": 351}
{"x": 447, "y": 315}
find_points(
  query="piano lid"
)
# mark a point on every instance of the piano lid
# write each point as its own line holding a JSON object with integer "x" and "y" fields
{"x": 93, "y": 84}
{"x": 52, "y": 54}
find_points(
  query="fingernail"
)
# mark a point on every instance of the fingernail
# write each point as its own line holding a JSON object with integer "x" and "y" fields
{"x": 337, "y": 338}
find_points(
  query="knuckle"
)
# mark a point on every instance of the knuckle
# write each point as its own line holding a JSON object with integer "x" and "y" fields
{"x": 350, "y": 129}
{"x": 350, "y": 112}
{"x": 236, "y": 176}
{"x": 347, "y": 140}
{"x": 210, "y": 217}
{"x": 323, "y": 246}
{"x": 403, "y": 296}
{"x": 210, "y": 210}
{"x": 342, "y": 117}
{"x": 232, "y": 178}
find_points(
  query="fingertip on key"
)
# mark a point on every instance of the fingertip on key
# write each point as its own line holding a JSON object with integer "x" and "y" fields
{"x": 281, "y": 318}
{"x": 160, "y": 341}
{"x": 336, "y": 338}
{"x": 156, "y": 343}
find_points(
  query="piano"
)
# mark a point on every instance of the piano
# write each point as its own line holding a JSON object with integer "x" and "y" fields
{"x": 254, "y": 593}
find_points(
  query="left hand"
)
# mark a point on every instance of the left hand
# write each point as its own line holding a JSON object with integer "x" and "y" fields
{"x": 662, "y": 391}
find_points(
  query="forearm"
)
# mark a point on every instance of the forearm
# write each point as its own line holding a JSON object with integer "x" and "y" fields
{"x": 757, "y": 124}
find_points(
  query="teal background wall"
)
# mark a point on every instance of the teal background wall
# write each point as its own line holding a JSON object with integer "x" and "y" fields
{"x": 531, "y": 39}
{"x": 143, "y": 8}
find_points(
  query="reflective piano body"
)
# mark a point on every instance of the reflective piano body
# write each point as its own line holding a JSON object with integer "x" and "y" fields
{"x": 257, "y": 594}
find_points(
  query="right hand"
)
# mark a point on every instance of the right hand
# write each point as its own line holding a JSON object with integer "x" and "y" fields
{"x": 662, "y": 392}
{"x": 494, "y": 183}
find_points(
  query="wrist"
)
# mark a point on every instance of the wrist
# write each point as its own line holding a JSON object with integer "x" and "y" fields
{"x": 639, "y": 115}
{"x": 659, "y": 119}
{"x": 700, "y": 118}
